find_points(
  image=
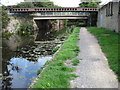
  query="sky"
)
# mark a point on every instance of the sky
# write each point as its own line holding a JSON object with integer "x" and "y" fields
{"x": 63, "y": 3}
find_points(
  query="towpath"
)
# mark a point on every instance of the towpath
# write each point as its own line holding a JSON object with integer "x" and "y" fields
{"x": 93, "y": 69}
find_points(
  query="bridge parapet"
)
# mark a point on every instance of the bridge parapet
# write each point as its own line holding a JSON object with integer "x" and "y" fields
{"x": 53, "y": 9}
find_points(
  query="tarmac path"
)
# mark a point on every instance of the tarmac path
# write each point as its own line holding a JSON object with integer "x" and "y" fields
{"x": 93, "y": 69}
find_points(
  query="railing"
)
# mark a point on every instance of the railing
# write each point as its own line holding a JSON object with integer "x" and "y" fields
{"x": 53, "y": 9}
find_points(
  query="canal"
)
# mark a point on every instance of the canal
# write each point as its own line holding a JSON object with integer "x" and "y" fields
{"x": 23, "y": 57}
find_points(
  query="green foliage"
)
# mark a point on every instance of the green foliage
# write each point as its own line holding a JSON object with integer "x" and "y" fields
{"x": 5, "y": 17}
{"x": 75, "y": 62}
{"x": 39, "y": 71}
{"x": 44, "y": 4}
{"x": 35, "y": 4}
{"x": 57, "y": 75}
{"x": 15, "y": 16}
{"x": 89, "y": 4}
{"x": 24, "y": 5}
{"x": 6, "y": 35}
{"x": 110, "y": 43}
{"x": 55, "y": 49}
{"x": 69, "y": 49}
{"x": 26, "y": 28}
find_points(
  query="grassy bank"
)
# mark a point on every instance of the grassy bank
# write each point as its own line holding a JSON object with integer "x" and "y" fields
{"x": 110, "y": 43}
{"x": 57, "y": 75}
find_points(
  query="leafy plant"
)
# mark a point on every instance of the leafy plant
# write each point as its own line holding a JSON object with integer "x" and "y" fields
{"x": 55, "y": 49}
{"x": 24, "y": 5}
{"x": 6, "y": 35}
{"x": 39, "y": 71}
{"x": 26, "y": 29}
{"x": 89, "y": 4}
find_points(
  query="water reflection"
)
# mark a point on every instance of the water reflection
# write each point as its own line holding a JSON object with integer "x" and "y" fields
{"x": 21, "y": 58}
{"x": 19, "y": 71}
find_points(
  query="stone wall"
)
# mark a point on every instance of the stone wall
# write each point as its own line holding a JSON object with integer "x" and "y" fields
{"x": 59, "y": 25}
{"x": 13, "y": 25}
{"x": 109, "y": 17}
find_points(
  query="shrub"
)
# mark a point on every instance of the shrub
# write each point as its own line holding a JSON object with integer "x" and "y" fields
{"x": 26, "y": 29}
{"x": 5, "y": 18}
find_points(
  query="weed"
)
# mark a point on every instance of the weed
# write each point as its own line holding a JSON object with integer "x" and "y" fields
{"x": 75, "y": 62}
{"x": 55, "y": 49}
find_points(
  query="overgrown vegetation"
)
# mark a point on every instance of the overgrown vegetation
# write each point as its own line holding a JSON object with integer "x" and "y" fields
{"x": 35, "y": 4}
{"x": 110, "y": 43}
{"x": 5, "y": 17}
{"x": 45, "y": 4}
{"x": 75, "y": 62}
{"x": 24, "y": 5}
{"x": 6, "y": 35}
{"x": 90, "y": 4}
{"x": 56, "y": 74}
{"x": 26, "y": 29}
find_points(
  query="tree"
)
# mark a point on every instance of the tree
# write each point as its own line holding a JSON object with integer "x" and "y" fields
{"x": 35, "y": 4}
{"x": 44, "y": 4}
{"x": 24, "y": 5}
{"x": 5, "y": 17}
{"x": 89, "y": 4}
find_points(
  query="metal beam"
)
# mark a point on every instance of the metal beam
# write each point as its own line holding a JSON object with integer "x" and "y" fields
{"x": 42, "y": 18}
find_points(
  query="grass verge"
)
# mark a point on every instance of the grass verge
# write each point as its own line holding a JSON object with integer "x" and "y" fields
{"x": 110, "y": 43}
{"x": 75, "y": 62}
{"x": 57, "y": 75}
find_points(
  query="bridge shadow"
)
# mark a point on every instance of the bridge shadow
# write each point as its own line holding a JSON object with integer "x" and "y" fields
{"x": 46, "y": 27}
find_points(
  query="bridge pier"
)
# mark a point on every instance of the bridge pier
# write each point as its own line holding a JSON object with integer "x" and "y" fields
{"x": 92, "y": 19}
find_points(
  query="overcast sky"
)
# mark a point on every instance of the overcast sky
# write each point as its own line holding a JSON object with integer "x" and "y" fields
{"x": 63, "y": 3}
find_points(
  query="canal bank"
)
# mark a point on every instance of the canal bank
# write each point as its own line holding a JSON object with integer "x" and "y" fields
{"x": 57, "y": 74}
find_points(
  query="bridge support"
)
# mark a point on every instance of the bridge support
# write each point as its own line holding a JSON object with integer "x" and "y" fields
{"x": 44, "y": 28}
{"x": 92, "y": 19}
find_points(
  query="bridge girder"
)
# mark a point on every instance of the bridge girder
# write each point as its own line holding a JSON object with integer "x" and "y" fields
{"x": 60, "y": 18}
